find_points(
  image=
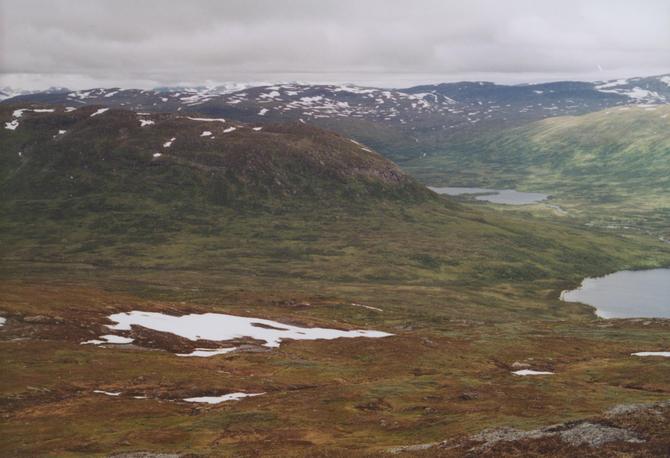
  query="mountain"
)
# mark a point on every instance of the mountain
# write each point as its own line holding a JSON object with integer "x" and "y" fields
{"x": 111, "y": 211}
{"x": 401, "y": 124}
{"x": 116, "y": 175}
{"x": 74, "y": 152}
{"x": 8, "y": 92}
{"x": 655, "y": 89}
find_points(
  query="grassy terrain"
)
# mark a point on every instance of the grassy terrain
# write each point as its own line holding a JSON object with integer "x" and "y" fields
{"x": 467, "y": 292}
{"x": 610, "y": 168}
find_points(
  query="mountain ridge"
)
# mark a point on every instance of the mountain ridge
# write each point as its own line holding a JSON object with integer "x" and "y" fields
{"x": 401, "y": 123}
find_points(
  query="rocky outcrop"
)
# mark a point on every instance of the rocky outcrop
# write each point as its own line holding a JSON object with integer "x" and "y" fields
{"x": 618, "y": 425}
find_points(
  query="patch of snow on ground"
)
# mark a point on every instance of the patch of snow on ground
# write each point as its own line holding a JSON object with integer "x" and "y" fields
{"x": 207, "y": 352}
{"x": 525, "y": 372}
{"x": 665, "y": 79}
{"x": 665, "y": 354}
{"x": 369, "y": 307}
{"x": 169, "y": 143}
{"x": 636, "y": 93}
{"x": 108, "y": 393}
{"x": 157, "y": 154}
{"x": 12, "y": 125}
{"x": 146, "y": 122}
{"x": 109, "y": 339}
{"x": 221, "y": 327}
{"x": 641, "y": 94}
{"x": 612, "y": 84}
{"x": 16, "y": 114}
{"x": 270, "y": 95}
{"x": 206, "y": 133}
{"x": 99, "y": 111}
{"x": 230, "y": 129}
{"x": 263, "y": 111}
{"x": 224, "y": 398}
{"x": 206, "y": 119}
{"x": 257, "y": 128}
{"x": 61, "y": 132}
{"x": 69, "y": 109}
{"x": 3, "y": 320}
{"x": 310, "y": 100}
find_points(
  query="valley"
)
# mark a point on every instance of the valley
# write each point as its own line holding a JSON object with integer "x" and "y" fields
{"x": 607, "y": 169}
{"x": 108, "y": 213}
{"x": 334, "y": 229}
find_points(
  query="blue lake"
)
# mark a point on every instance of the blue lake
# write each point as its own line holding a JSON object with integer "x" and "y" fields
{"x": 626, "y": 294}
{"x": 496, "y": 196}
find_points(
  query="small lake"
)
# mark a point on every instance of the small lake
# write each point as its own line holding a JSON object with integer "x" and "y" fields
{"x": 626, "y": 294}
{"x": 496, "y": 196}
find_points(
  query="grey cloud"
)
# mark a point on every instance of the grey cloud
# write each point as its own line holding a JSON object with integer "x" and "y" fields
{"x": 163, "y": 42}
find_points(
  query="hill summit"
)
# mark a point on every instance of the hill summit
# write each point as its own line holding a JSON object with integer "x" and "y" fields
{"x": 62, "y": 151}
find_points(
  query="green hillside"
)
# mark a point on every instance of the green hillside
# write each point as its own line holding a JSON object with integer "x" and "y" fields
{"x": 314, "y": 230}
{"x": 107, "y": 191}
{"x": 613, "y": 164}
{"x": 176, "y": 157}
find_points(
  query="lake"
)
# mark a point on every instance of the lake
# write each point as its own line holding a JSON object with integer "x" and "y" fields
{"x": 496, "y": 196}
{"x": 626, "y": 294}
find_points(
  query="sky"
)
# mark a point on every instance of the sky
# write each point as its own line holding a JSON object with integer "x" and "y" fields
{"x": 146, "y": 43}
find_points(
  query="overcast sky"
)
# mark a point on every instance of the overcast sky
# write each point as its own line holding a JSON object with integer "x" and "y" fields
{"x": 144, "y": 43}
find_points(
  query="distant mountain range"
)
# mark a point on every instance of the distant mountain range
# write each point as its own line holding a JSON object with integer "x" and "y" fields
{"x": 401, "y": 123}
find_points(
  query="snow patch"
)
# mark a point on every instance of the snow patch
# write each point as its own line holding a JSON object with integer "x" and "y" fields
{"x": 224, "y": 398}
{"x": 665, "y": 354}
{"x": 525, "y": 372}
{"x": 612, "y": 84}
{"x": 206, "y": 119}
{"x": 207, "y": 352}
{"x": 369, "y": 307}
{"x": 206, "y": 133}
{"x": 108, "y": 339}
{"x": 16, "y": 114}
{"x": 12, "y": 125}
{"x": 108, "y": 393}
{"x": 222, "y": 327}
{"x": 99, "y": 111}
{"x": 169, "y": 143}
